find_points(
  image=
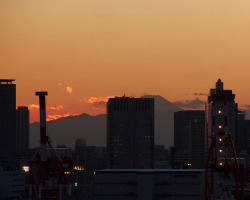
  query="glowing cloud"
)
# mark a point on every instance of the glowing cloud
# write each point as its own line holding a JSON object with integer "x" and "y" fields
{"x": 99, "y": 103}
{"x": 33, "y": 106}
{"x": 60, "y": 107}
{"x": 57, "y": 116}
{"x": 193, "y": 104}
{"x": 69, "y": 90}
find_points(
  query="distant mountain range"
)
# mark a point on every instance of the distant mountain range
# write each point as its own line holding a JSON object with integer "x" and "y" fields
{"x": 93, "y": 128}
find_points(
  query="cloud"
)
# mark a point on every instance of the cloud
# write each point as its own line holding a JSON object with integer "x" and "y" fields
{"x": 59, "y": 84}
{"x": 194, "y": 104}
{"x": 199, "y": 94}
{"x": 60, "y": 107}
{"x": 69, "y": 90}
{"x": 33, "y": 106}
{"x": 99, "y": 103}
{"x": 57, "y": 116}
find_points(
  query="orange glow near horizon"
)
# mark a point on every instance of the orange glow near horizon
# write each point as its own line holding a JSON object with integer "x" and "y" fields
{"x": 81, "y": 49}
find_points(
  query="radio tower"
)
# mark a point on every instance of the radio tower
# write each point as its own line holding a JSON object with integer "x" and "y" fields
{"x": 224, "y": 176}
{"x": 44, "y": 169}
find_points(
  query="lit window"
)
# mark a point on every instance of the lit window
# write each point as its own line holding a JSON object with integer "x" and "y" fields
{"x": 220, "y": 126}
{"x": 220, "y": 150}
{"x": 219, "y": 111}
{"x": 78, "y": 168}
{"x": 221, "y": 164}
{"x": 26, "y": 168}
{"x": 220, "y": 139}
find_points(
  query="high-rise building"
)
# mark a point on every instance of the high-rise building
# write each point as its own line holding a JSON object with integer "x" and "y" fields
{"x": 241, "y": 132}
{"x": 220, "y": 145}
{"x": 130, "y": 133}
{"x": 221, "y": 114}
{"x": 196, "y": 141}
{"x": 22, "y": 129}
{"x": 182, "y": 120}
{"x": 183, "y": 135}
{"x": 7, "y": 122}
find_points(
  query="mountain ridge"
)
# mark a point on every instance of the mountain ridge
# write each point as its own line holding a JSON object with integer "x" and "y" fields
{"x": 66, "y": 130}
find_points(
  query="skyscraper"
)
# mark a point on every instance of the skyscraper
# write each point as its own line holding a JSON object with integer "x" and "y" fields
{"x": 185, "y": 123}
{"x": 221, "y": 113}
{"x": 22, "y": 129}
{"x": 196, "y": 141}
{"x": 7, "y": 122}
{"x": 130, "y": 133}
{"x": 182, "y": 120}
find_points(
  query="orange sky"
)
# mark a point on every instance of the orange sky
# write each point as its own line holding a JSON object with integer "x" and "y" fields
{"x": 97, "y": 48}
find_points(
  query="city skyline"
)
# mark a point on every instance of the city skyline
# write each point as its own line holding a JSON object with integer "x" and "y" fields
{"x": 83, "y": 52}
{"x": 132, "y": 107}
{"x": 97, "y": 105}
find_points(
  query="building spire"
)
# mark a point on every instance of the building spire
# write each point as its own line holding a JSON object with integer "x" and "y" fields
{"x": 219, "y": 85}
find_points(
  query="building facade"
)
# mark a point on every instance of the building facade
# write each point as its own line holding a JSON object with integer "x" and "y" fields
{"x": 150, "y": 184}
{"x": 22, "y": 129}
{"x": 185, "y": 127}
{"x": 221, "y": 114}
{"x": 196, "y": 142}
{"x": 7, "y": 122}
{"x": 130, "y": 133}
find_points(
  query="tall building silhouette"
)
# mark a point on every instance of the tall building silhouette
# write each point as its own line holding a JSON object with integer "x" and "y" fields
{"x": 185, "y": 128}
{"x": 7, "y": 122}
{"x": 223, "y": 165}
{"x": 130, "y": 133}
{"x": 22, "y": 129}
{"x": 221, "y": 113}
{"x": 196, "y": 142}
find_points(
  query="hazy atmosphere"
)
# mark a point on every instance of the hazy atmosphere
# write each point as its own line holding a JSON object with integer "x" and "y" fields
{"x": 83, "y": 52}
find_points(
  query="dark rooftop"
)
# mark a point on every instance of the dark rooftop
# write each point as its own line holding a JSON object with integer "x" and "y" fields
{"x": 6, "y": 80}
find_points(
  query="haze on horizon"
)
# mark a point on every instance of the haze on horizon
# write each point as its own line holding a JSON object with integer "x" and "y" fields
{"x": 83, "y": 52}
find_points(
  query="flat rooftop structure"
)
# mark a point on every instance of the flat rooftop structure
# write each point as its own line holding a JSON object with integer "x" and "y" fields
{"x": 149, "y": 184}
{"x": 6, "y": 81}
{"x": 151, "y": 171}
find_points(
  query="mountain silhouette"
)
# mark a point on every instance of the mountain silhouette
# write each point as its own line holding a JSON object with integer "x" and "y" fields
{"x": 67, "y": 129}
{"x": 93, "y": 128}
{"x": 162, "y": 104}
{"x": 164, "y": 120}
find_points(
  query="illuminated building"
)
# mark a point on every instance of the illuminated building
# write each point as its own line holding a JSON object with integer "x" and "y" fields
{"x": 130, "y": 133}
{"x": 221, "y": 114}
{"x": 224, "y": 172}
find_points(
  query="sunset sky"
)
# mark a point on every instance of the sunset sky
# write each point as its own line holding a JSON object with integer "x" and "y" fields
{"x": 84, "y": 51}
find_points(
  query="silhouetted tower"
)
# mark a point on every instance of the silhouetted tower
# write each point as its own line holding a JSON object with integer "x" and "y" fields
{"x": 7, "y": 123}
{"x": 44, "y": 167}
{"x": 221, "y": 113}
{"x": 130, "y": 133}
{"x": 182, "y": 125}
{"x": 222, "y": 162}
{"x": 22, "y": 129}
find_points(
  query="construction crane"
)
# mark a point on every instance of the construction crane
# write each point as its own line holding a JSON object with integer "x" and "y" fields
{"x": 48, "y": 169}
